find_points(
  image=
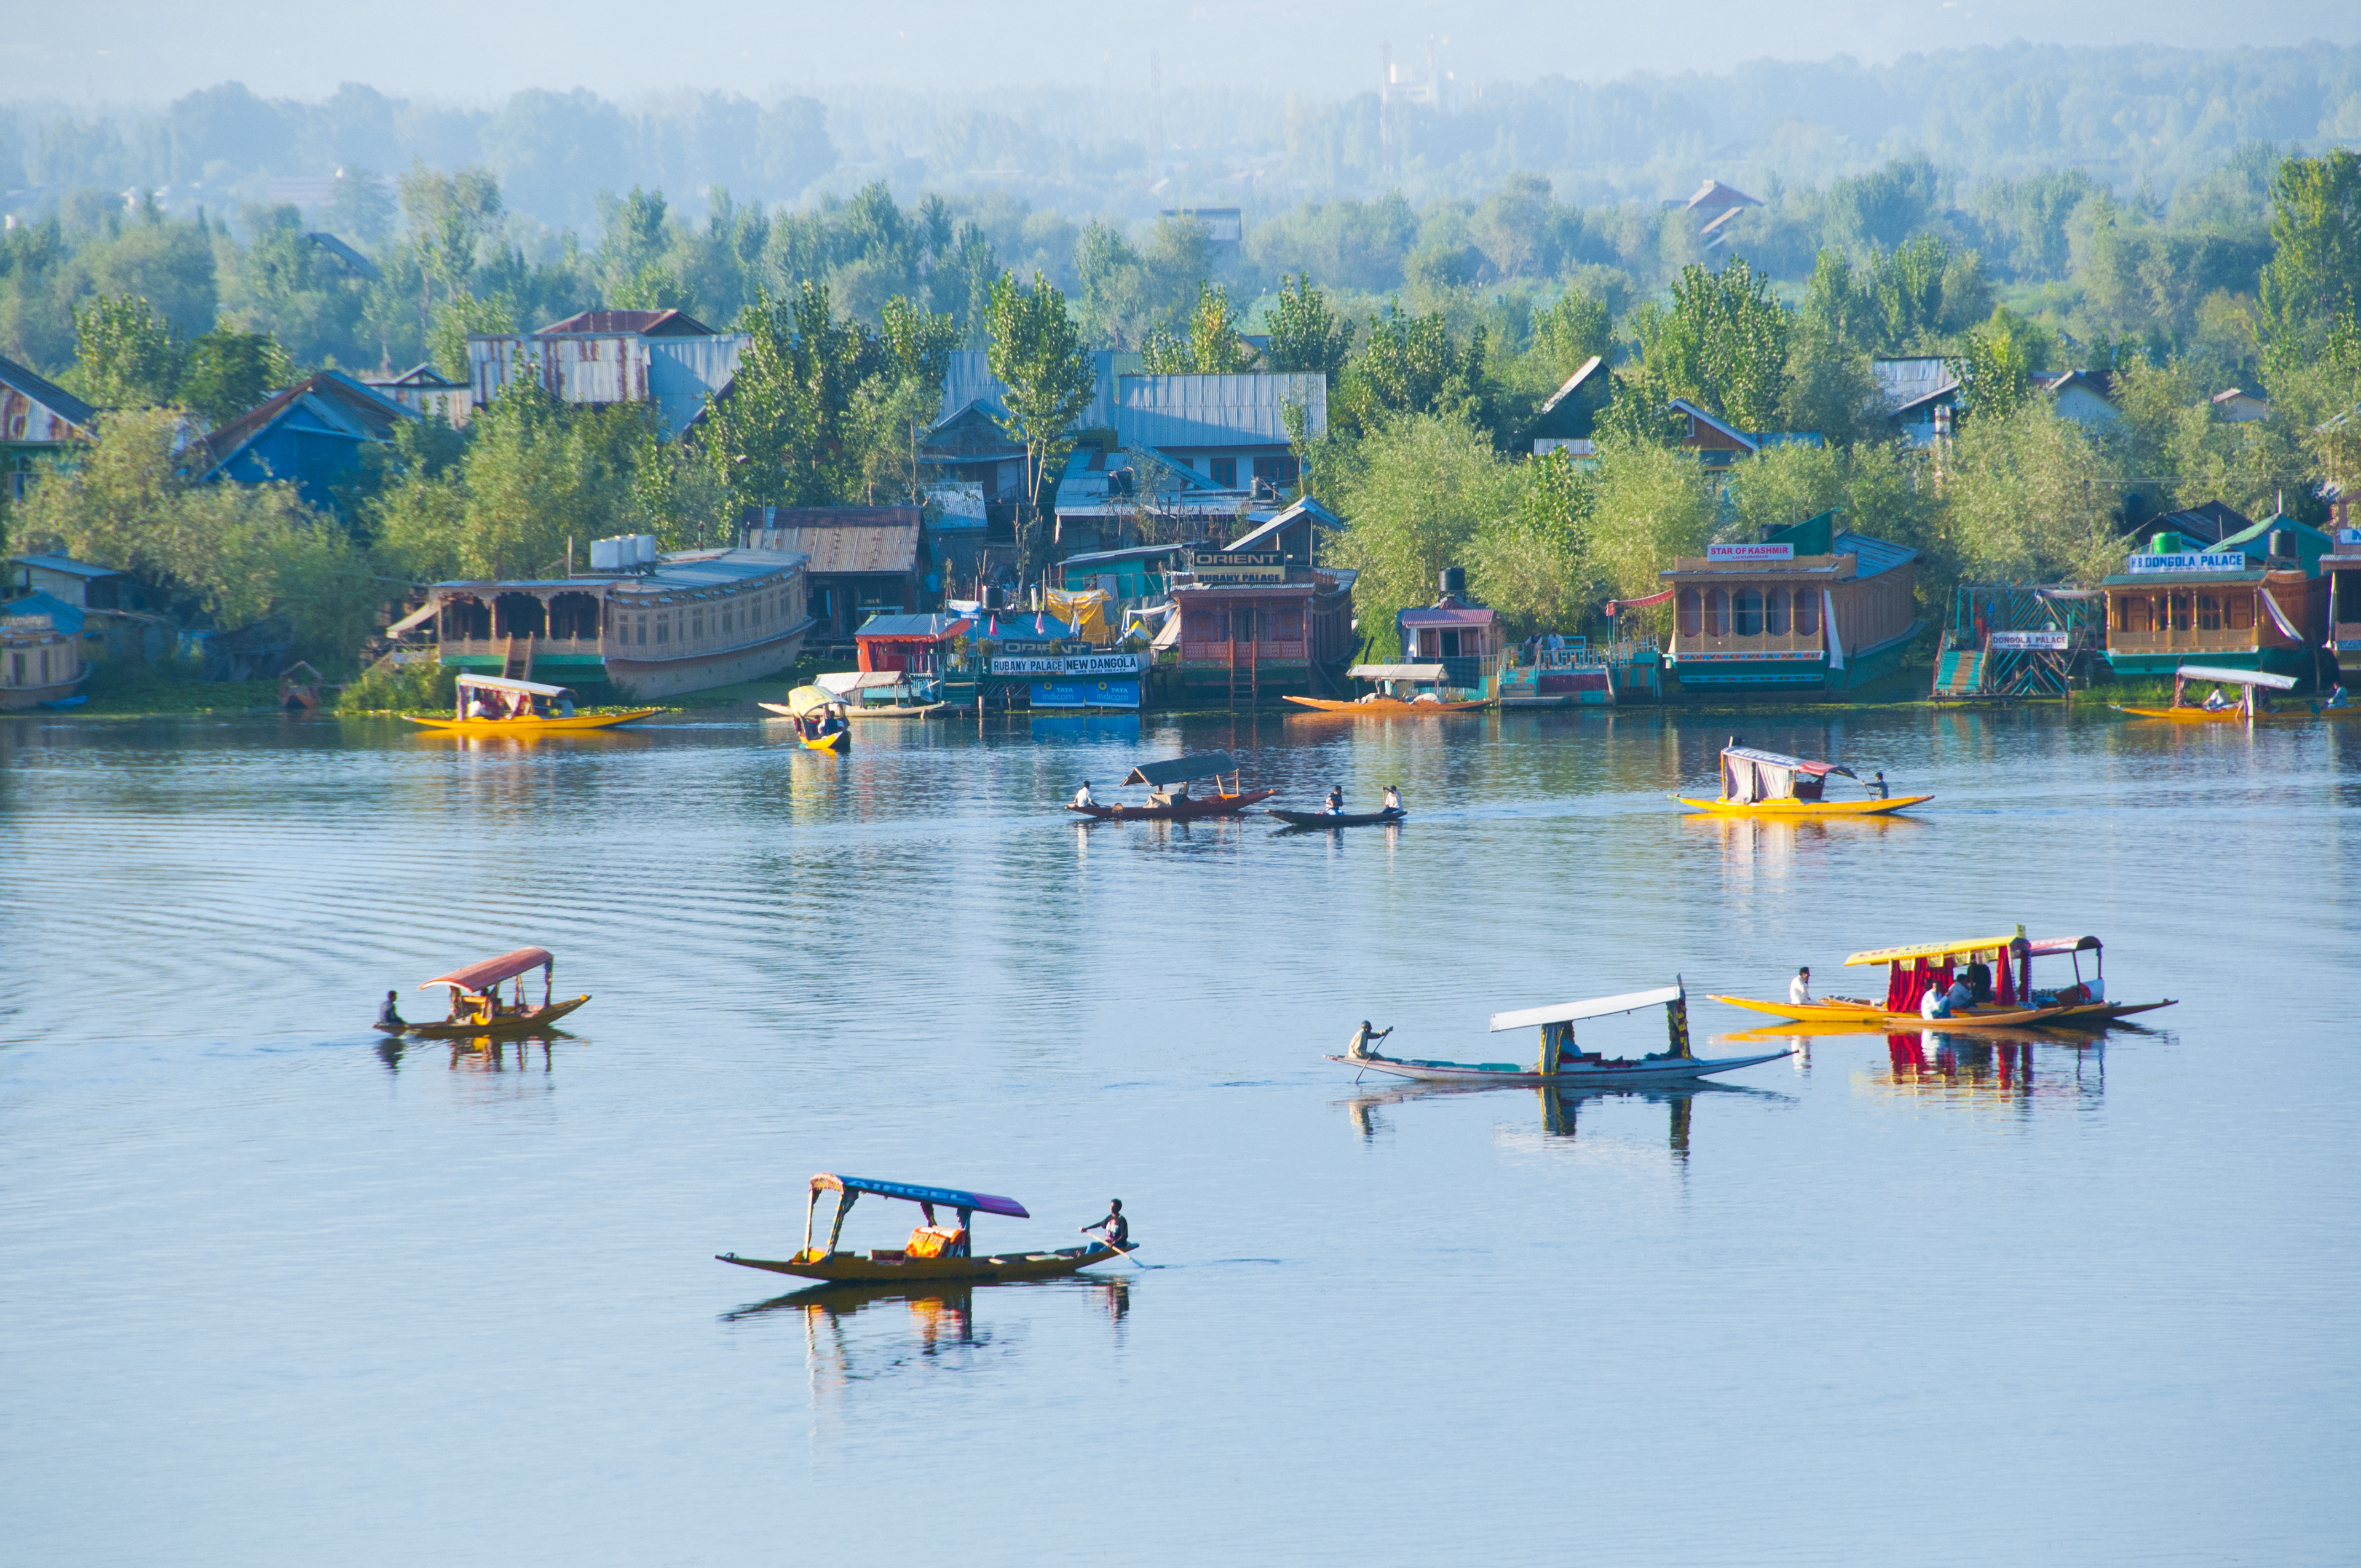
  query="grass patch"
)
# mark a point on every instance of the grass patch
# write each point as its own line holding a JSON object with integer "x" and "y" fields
{"x": 138, "y": 690}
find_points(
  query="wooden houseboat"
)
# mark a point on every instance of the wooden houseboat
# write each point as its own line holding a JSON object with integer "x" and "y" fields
{"x": 2259, "y": 601}
{"x": 678, "y": 623}
{"x": 1811, "y": 609}
{"x": 1256, "y": 626}
{"x": 38, "y": 662}
{"x": 1455, "y": 632}
{"x": 2341, "y": 567}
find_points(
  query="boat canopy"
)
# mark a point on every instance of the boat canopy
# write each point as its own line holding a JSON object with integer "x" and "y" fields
{"x": 491, "y": 972}
{"x": 1396, "y": 671}
{"x": 2040, "y": 946}
{"x": 502, "y": 684}
{"x": 804, "y": 699}
{"x": 2235, "y": 677}
{"x": 949, "y": 1197}
{"x": 1204, "y": 766}
{"x": 1794, "y": 764}
{"x": 1958, "y": 949}
{"x": 1575, "y": 1012}
{"x": 843, "y": 682}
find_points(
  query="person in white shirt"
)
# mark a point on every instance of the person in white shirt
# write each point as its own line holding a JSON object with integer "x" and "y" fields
{"x": 1082, "y": 797}
{"x": 1800, "y": 990}
{"x": 1393, "y": 797}
{"x": 2214, "y": 701}
{"x": 1934, "y": 1004}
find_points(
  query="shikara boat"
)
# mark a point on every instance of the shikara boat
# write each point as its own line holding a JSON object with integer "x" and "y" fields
{"x": 494, "y": 705}
{"x": 1765, "y": 783}
{"x": 2249, "y": 705}
{"x": 1335, "y": 819}
{"x": 1166, "y": 804}
{"x": 1395, "y": 689}
{"x": 819, "y": 719}
{"x": 933, "y": 1253}
{"x": 1560, "y": 1063}
{"x": 2016, "y": 1002}
{"x": 882, "y": 694}
{"x": 476, "y": 1004}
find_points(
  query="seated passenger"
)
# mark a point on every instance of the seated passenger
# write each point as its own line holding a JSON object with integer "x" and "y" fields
{"x": 2335, "y": 698}
{"x": 2214, "y": 701}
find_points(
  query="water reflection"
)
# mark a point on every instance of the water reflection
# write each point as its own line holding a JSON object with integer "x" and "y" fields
{"x": 852, "y": 1334}
{"x": 1560, "y": 1108}
{"x": 479, "y": 1053}
{"x": 1981, "y": 1068}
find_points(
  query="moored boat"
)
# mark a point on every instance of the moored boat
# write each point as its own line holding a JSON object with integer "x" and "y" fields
{"x": 2251, "y": 704}
{"x": 1395, "y": 689}
{"x": 884, "y": 694}
{"x": 1755, "y": 783}
{"x": 1561, "y": 1063}
{"x": 934, "y": 1252}
{"x": 1167, "y": 803}
{"x": 475, "y": 1005}
{"x": 494, "y": 705}
{"x": 818, "y": 717}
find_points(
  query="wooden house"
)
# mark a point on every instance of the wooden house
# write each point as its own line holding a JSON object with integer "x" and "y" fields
{"x": 914, "y": 643}
{"x": 1718, "y": 443}
{"x": 2342, "y": 568}
{"x": 39, "y": 420}
{"x": 312, "y": 434}
{"x": 1254, "y": 627}
{"x": 1570, "y": 419}
{"x": 864, "y": 561}
{"x": 1810, "y": 609}
{"x": 2257, "y": 600}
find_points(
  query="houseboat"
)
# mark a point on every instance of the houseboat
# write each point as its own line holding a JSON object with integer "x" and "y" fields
{"x": 1810, "y": 610}
{"x": 1256, "y": 626}
{"x": 2259, "y": 601}
{"x": 2342, "y": 569}
{"x": 38, "y": 662}
{"x": 657, "y": 627}
{"x": 1455, "y": 632}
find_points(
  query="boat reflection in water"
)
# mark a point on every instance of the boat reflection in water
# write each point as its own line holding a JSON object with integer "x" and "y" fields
{"x": 852, "y": 1334}
{"x": 1561, "y": 1108}
{"x": 1979, "y": 1067}
{"x": 481, "y": 1053}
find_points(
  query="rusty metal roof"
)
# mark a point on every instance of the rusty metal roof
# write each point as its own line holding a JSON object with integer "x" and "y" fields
{"x": 841, "y": 540}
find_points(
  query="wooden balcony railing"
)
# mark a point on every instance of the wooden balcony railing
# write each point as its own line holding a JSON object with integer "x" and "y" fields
{"x": 2177, "y": 641}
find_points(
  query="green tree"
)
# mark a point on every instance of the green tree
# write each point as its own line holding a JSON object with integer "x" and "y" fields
{"x": 1039, "y": 356}
{"x": 229, "y": 372}
{"x": 2313, "y": 279}
{"x": 1419, "y": 490}
{"x": 130, "y": 356}
{"x": 1208, "y": 344}
{"x": 1721, "y": 344}
{"x": 451, "y": 215}
{"x": 1569, "y": 332}
{"x": 1306, "y": 334}
{"x": 2025, "y": 500}
{"x": 788, "y": 431}
{"x": 1409, "y": 365}
{"x": 898, "y": 404}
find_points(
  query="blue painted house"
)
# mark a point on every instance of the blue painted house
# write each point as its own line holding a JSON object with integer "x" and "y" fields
{"x": 312, "y": 433}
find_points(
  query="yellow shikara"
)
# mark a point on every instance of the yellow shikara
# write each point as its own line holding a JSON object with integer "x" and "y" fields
{"x": 494, "y": 705}
{"x": 934, "y": 1254}
{"x": 1765, "y": 783}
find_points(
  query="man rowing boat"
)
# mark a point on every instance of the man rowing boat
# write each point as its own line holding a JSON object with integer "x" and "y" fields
{"x": 1117, "y": 1228}
{"x": 1362, "y": 1039}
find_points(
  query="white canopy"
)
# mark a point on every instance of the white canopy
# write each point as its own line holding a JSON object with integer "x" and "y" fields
{"x": 502, "y": 684}
{"x": 2237, "y": 677}
{"x": 1396, "y": 671}
{"x": 1574, "y": 1012}
{"x": 840, "y": 682}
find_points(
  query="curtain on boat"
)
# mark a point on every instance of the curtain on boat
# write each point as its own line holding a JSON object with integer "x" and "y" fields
{"x": 1905, "y": 988}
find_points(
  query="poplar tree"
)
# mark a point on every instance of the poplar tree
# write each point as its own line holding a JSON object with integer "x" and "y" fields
{"x": 1037, "y": 355}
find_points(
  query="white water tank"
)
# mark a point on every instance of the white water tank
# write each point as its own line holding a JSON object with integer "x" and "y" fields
{"x": 644, "y": 548}
{"x": 607, "y": 554}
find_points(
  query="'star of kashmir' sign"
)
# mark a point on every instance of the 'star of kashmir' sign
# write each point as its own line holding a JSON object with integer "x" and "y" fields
{"x": 2205, "y": 561}
{"x": 1750, "y": 551}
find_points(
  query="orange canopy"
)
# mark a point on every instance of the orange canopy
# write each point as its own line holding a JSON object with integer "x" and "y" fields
{"x": 491, "y": 972}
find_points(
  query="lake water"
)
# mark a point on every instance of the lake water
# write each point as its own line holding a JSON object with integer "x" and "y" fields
{"x": 271, "y": 1293}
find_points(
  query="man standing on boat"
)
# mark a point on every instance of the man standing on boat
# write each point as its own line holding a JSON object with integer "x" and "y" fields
{"x": 1363, "y": 1038}
{"x": 1117, "y": 1228}
{"x": 1800, "y": 990}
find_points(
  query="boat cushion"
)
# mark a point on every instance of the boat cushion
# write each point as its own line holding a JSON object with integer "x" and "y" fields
{"x": 933, "y": 1241}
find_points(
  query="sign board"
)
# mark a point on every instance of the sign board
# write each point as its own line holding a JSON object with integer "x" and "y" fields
{"x": 2031, "y": 642}
{"x": 2207, "y": 561}
{"x": 1069, "y": 664}
{"x": 1239, "y": 566}
{"x": 1086, "y": 694}
{"x": 1750, "y": 551}
{"x": 2348, "y": 536}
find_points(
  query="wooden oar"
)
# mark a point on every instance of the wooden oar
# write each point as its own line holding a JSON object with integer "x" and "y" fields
{"x": 1124, "y": 1251}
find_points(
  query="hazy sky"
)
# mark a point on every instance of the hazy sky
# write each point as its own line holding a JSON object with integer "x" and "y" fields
{"x": 118, "y": 50}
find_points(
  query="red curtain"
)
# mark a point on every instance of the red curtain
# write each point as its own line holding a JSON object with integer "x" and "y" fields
{"x": 1905, "y": 988}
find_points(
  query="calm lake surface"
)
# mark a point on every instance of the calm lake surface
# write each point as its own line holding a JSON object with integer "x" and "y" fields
{"x": 271, "y": 1293}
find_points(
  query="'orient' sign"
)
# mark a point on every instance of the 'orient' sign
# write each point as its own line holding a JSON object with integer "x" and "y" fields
{"x": 1750, "y": 551}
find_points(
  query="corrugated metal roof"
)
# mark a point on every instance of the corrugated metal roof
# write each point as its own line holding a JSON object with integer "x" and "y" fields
{"x": 1871, "y": 556}
{"x": 969, "y": 379}
{"x": 66, "y": 617}
{"x": 66, "y": 564}
{"x": 936, "y": 626}
{"x": 848, "y": 548}
{"x": 1216, "y": 410}
{"x": 49, "y": 394}
{"x": 1449, "y": 615}
{"x": 1906, "y": 383}
{"x": 643, "y": 324}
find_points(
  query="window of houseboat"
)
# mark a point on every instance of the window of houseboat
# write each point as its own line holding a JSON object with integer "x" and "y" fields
{"x": 2135, "y": 612}
{"x": 1717, "y": 613}
{"x": 2209, "y": 613}
{"x": 2238, "y": 611}
{"x": 1746, "y": 612}
{"x": 1201, "y": 625}
{"x": 1290, "y": 624}
{"x": 1774, "y": 612}
{"x": 2176, "y": 610}
{"x": 1807, "y": 612}
{"x": 663, "y": 629}
{"x": 1689, "y": 612}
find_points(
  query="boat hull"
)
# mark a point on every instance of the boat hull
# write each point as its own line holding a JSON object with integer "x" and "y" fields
{"x": 1850, "y": 1011}
{"x": 580, "y": 722}
{"x": 1340, "y": 819}
{"x": 870, "y": 1268}
{"x": 1386, "y": 706}
{"x": 893, "y": 711}
{"x": 502, "y": 1027}
{"x": 2186, "y": 715}
{"x": 1658, "y": 1069}
{"x": 1804, "y": 807}
{"x": 1209, "y": 806}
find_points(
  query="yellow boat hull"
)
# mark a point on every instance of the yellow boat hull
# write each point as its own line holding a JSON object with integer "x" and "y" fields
{"x": 1849, "y": 1010}
{"x": 840, "y": 742}
{"x": 1804, "y": 807}
{"x": 2187, "y": 715}
{"x": 532, "y": 726}
{"x": 1386, "y": 706}
{"x": 886, "y": 1267}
